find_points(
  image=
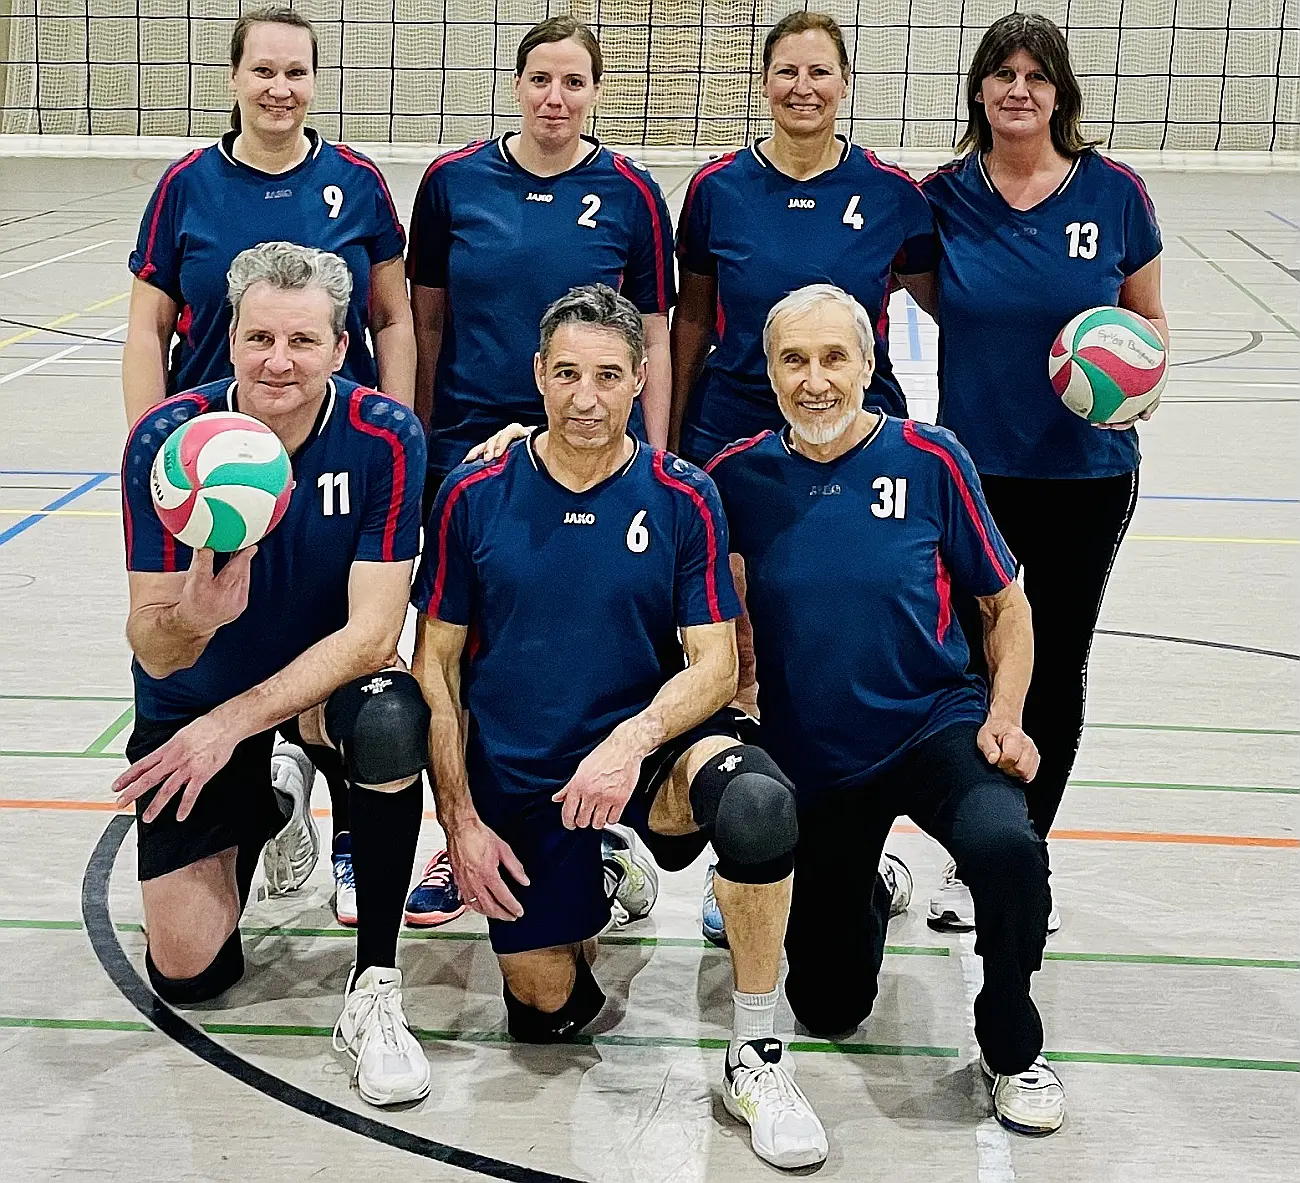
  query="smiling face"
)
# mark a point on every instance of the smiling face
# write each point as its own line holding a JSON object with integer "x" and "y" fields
{"x": 588, "y": 381}
{"x": 804, "y": 83}
{"x": 556, "y": 92}
{"x": 274, "y": 82}
{"x": 818, "y": 370}
{"x": 284, "y": 350}
{"x": 1018, "y": 98}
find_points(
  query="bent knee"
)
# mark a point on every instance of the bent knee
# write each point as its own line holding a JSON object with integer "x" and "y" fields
{"x": 380, "y": 725}
{"x": 185, "y": 973}
{"x": 1011, "y": 851}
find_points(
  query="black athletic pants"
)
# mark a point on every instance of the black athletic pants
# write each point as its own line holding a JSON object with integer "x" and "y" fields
{"x": 1065, "y": 534}
{"x": 835, "y": 940}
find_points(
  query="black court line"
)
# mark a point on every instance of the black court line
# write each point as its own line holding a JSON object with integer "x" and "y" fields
{"x": 103, "y": 939}
{"x": 1256, "y": 339}
{"x": 23, "y": 324}
{"x": 1113, "y": 632}
{"x": 1291, "y": 271}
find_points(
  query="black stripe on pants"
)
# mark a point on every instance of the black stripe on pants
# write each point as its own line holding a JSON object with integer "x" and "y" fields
{"x": 835, "y": 940}
{"x": 1065, "y": 534}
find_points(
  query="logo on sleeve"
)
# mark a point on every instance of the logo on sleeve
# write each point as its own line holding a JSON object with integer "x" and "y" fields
{"x": 574, "y": 518}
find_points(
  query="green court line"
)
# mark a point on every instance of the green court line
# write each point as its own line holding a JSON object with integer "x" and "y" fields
{"x": 66, "y": 755}
{"x": 275, "y": 1030}
{"x": 1241, "y": 287}
{"x": 1189, "y": 728}
{"x": 1147, "y": 784}
{"x": 112, "y": 731}
{"x": 65, "y": 698}
{"x": 1172, "y": 959}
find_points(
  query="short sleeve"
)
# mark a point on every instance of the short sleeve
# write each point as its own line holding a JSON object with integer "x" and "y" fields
{"x": 390, "y": 522}
{"x": 919, "y": 251}
{"x": 693, "y": 251}
{"x": 149, "y": 545}
{"x": 157, "y": 255}
{"x": 1142, "y": 241}
{"x": 427, "y": 260}
{"x": 445, "y": 581}
{"x": 648, "y": 279}
{"x": 704, "y": 591}
{"x": 389, "y": 239}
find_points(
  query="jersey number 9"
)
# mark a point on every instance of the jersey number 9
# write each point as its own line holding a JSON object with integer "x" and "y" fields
{"x": 333, "y": 196}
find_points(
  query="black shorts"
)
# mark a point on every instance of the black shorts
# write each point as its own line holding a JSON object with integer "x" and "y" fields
{"x": 237, "y": 807}
{"x": 565, "y": 902}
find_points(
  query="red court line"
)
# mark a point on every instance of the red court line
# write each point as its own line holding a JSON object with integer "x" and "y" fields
{"x": 1058, "y": 835}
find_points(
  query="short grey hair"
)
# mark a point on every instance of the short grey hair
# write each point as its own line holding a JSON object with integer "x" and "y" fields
{"x": 288, "y": 267}
{"x": 802, "y": 299}
{"x": 600, "y": 305}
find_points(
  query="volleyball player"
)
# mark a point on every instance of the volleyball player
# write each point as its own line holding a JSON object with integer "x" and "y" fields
{"x": 500, "y": 229}
{"x": 298, "y": 633}
{"x": 270, "y": 178}
{"x": 591, "y": 565}
{"x": 854, "y": 530}
{"x": 803, "y": 206}
{"x": 1037, "y": 226}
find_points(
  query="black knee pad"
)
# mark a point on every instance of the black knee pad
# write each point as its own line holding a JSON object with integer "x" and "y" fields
{"x": 748, "y": 805}
{"x": 226, "y": 968}
{"x": 529, "y": 1025}
{"x": 380, "y": 725}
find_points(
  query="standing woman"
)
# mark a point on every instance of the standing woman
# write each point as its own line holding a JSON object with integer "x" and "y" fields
{"x": 1036, "y": 226}
{"x": 503, "y": 227}
{"x": 804, "y": 206}
{"x": 271, "y": 178}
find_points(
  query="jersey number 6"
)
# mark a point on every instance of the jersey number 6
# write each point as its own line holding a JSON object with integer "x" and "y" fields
{"x": 893, "y": 497}
{"x": 638, "y": 537}
{"x": 333, "y": 196}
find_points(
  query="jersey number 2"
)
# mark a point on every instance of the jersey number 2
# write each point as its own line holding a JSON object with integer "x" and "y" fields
{"x": 588, "y": 216}
{"x": 330, "y": 483}
{"x": 893, "y": 497}
{"x": 1083, "y": 240}
{"x": 333, "y": 196}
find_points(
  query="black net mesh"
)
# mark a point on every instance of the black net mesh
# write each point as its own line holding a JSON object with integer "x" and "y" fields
{"x": 1178, "y": 74}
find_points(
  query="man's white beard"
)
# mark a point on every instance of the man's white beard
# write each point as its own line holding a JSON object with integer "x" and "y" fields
{"x": 822, "y": 434}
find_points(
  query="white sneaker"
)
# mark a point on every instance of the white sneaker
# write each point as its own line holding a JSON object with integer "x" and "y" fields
{"x": 391, "y": 1066}
{"x": 899, "y": 881}
{"x": 1031, "y": 1102}
{"x": 1053, "y": 919}
{"x": 951, "y": 907}
{"x": 289, "y": 858}
{"x": 760, "y": 1091}
{"x": 631, "y": 877}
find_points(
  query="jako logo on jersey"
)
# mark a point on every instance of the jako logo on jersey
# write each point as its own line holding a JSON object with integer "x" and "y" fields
{"x": 272, "y": 194}
{"x": 546, "y": 197}
{"x": 376, "y": 685}
{"x": 824, "y": 490}
{"x": 802, "y": 203}
{"x": 572, "y": 518}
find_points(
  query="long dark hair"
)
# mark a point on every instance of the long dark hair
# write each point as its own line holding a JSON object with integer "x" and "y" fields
{"x": 266, "y": 16}
{"x": 1045, "y": 43}
{"x": 560, "y": 28}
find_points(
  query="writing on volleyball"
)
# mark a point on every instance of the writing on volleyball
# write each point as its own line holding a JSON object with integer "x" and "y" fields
{"x": 1143, "y": 354}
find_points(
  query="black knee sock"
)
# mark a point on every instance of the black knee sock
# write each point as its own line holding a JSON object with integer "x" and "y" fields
{"x": 330, "y": 765}
{"x": 385, "y": 830}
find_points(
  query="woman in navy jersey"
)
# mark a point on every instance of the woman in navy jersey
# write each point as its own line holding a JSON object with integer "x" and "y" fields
{"x": 803, "y": 206}
{"x": 271, "y": 178}
{"x": 1036, "y": 226}
{"x": 503, "y": 227}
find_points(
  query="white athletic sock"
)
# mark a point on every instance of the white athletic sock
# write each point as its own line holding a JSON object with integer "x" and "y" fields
{"x": 753, "y": 1016}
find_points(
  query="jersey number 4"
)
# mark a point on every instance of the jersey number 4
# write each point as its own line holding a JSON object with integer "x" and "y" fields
{"x": 1083, "y": 239}
{"x": 851, "y": 215}
{"x": 333, "y": 488}
{"x": 893, "y": 497}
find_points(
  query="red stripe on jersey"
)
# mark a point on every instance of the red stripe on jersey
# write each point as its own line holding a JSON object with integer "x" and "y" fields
{"x": 913, "y": 437}
{"x": 444, "y": 524}
{"x": 735, "y": 449}
{"x": 896, "y": 169}
{"x": 661, "y": 284}
{"x": 882, "y": 321}
{"x": 710, "y": 533}
{"x": 720, "y": 320}
{"x": 434, "y": 165}
{"x": 354, "y": 157}
{"x": 951, "y": 167}
{"x": 148, "y": 269}
{"x": 943, "y": 589}
{"x": 399, "y": 466}
{"x": 1132, "y": 176}
{"x": 707, "y": 171}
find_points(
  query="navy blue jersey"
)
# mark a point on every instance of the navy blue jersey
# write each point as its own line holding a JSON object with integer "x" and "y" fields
{"x": 208, "y": 207}
{"x": 573, "y": 600}
{"x": 1009, "y": 281}
{"x": 356, "y": 498}
{"x": 763, "y": 234}
{"x": 850, "y": 568}
{"x": 504, "y": 244}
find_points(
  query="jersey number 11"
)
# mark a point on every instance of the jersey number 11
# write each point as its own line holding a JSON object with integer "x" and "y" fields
{"x": 329, "y": 484}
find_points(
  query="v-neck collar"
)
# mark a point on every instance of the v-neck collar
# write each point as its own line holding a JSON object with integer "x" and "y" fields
{"x": 322, "y": 416}
{"x": 826, "y": 465}
{"x": 540, "y": 466}
{"x": 1071, "y": 173}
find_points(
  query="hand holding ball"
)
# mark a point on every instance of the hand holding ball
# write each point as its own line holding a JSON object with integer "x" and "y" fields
{"x": 1108, "y": 365}
{"x": 221, "y": 481}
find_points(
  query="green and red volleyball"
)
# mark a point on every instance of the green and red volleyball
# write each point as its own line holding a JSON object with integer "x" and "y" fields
{"x": 1108, "y": 365}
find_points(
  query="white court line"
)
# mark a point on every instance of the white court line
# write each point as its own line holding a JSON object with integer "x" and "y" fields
{"x": 45, "y": 361}
{"x": 59, "y": 258}
{"x": 992, "y": 1142}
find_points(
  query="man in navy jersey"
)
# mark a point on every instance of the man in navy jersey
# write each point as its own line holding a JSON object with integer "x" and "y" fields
{"x": 852, "y": 528}
{"x": 298, "y": 633}
{"x": 561, "y": 586}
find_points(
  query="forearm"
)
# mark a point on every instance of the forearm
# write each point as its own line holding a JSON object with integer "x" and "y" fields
{"x": 656, "y": 398}
{"x": 441, "y": 686}
{"x": 396, "y": 358}
{"x": 163, "y": 641}
{"x": 686, "y": 699}
{"x": 747, "y": 665}
{"x": 144, "y": 373}
{"x": 1009, "y": 652}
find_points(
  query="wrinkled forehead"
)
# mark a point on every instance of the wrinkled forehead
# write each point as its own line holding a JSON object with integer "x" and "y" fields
{"x": 824, "y": 325}
{"x": 286, "y": 310}
{"x": 590, "y": 344}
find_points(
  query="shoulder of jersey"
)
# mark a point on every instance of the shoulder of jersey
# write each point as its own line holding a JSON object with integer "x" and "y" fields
{"x": 887, "y": 168}
{"x": 447, "y": 159}
{"x": 920, "y": 434}
{"x": 709, "y": 169}
{"x": 158, "y": 422}
{"x": 174, "y": 174}
{"x": 751, "y": 446}
{"x": 944, "y": 171}
{"x": 367, "y": 408}
{"x": 1118, "y": 171}
{"x": 480, "y": 470}
{"x": 358, "y": 160}
{"x": 632, "y": 170}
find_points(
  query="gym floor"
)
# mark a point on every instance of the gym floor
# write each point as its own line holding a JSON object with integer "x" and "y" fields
{"x": 1169, "y": 996}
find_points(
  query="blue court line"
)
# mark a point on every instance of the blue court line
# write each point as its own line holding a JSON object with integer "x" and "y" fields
{"x": 58, "y": 503}
{"x": 1199, "y": 497}
{"x": 913, "y": 330}
{"x": 1280, "y": 218}
{"x": 54, "y": 472}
